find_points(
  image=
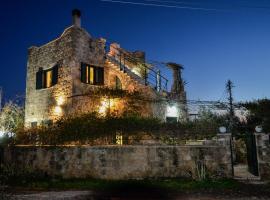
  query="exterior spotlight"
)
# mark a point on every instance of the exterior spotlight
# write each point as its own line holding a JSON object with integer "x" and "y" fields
{"x": 258, "y": 129}
{"x": 2, "y": 133}
{"x": 60, "y": 100}
{"x": 172, "y": 111}
{"x": 58, "y": 110}
{"x": 222, "y": 129}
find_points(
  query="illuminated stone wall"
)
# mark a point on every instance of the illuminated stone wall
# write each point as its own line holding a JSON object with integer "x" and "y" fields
{"x": 40, "y": 104}
{"x": 70, "y": 95}
{"x": 123, "y": 162}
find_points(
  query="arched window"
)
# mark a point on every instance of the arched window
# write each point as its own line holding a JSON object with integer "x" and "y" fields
{"x": 118, "y": 84}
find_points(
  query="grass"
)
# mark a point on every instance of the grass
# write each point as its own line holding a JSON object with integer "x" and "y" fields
{"x": 165, "y": 184}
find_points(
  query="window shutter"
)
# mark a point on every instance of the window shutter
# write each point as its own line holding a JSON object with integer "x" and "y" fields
{"x": 55, "y": 75}
{"x": 99, "y": 76}
{"x": 83, "y": 73}
{"x": 39, "y": 79}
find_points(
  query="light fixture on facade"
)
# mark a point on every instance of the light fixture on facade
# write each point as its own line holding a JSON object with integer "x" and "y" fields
{"x": 222, "y": 129}
{"x": 258, "y": 129}
{"x": 172, "y": 111}
{"x": 58, "y": 110}
{"x": 60, "y": 100}
{"x": 2, "y": 133}
{"x": 106, "y": 105}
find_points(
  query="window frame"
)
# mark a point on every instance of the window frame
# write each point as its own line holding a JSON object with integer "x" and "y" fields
{"x": 41, "y": 77}
{"x": 92, "y": 74}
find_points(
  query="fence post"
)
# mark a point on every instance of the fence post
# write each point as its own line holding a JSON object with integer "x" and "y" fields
{"x": 145, "y": 74}
{"x": 158, "y": 81}
{"x": 225, "y": 139}
{"x": 263, "y": 154}
{"x": 120, "y": 64}
{"x": 124, "y": 66}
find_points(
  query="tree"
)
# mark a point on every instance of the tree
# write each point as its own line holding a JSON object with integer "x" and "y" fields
{"x": 259, "y": 114}
{"x": 11, "y": 117}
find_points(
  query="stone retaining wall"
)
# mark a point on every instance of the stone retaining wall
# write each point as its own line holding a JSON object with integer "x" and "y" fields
{"x": 123, "y": 162}
{"x": 263, "y": 154}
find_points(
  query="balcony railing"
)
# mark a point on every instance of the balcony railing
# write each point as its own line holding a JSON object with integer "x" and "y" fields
{"x": 137, "y": 68}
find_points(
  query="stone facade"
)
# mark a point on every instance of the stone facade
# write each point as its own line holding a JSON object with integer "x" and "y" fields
{"x": 123, "y": 162}
{"x": 263, "y": 155}
{"x": 70, "y": 95}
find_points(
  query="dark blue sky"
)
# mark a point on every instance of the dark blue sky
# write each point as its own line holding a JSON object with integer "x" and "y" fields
{"x": 231, "y": 42}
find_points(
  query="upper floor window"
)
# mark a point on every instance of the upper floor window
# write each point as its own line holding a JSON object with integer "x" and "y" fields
{"x": 47, "y": 78}
{"x": 92, "y": 75}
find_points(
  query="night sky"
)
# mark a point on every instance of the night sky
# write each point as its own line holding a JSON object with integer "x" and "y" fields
{"x": 227, "y": 40}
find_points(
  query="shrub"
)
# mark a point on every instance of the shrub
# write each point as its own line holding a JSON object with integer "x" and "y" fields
{"x": 92, "y": 129}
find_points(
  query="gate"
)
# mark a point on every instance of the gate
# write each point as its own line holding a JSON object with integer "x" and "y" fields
{"x": 252, "y": 154}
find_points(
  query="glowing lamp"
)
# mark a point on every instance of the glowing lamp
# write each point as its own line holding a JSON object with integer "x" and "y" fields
{"x": 58, "y": 110}
{"x": 60, "y": 100}
{"x": 222, "y": 129}
{"x": 172, "y": 111}
{"x": 258, "y": 129}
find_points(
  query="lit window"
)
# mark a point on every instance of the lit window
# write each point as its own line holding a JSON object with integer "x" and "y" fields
{"x": 92, "y": 75}
{"x": 46, "y": 78}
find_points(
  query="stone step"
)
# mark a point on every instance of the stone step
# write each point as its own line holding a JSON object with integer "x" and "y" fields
{"x": 129, "y": 73}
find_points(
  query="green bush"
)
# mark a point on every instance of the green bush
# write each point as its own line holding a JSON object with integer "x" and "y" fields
{"x": 86, "y": 128}
{"x": 93, "y": 129}
{"x": 13, "y": 174}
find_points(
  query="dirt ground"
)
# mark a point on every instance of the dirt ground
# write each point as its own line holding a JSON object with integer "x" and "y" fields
{"x": 136, "y": 195}
{"x": 87, "y": 195}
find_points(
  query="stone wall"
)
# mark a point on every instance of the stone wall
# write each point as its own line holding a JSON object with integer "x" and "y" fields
{"x": 73, "y": 47}
{"x": 263, "y": 154}
{"x": 123, "y": 162}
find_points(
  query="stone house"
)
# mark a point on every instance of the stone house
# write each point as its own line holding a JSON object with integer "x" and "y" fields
{"x": 76, "y": 73}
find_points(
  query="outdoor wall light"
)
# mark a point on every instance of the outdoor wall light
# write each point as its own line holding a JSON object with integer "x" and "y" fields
{"x": 2, "y": 133}
{"x": 258, "y": 129}
{"x": 60, "y": 100}
{"x": 106, "y": 104}
{"x": 172, "y": 111}
{"x": 222, "y": 129}
{"x": 58, "y": 110}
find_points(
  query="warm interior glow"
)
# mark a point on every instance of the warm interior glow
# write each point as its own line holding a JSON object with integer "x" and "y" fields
{"x": 58, "y": 110}
{"x": 49, "y": 78}
{"x": 172, "y": 111}
{"x": 91, "y": 75}
{"x": 87, "y": 74}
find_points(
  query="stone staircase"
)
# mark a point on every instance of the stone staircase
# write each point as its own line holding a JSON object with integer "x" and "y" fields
{"x": 242, "y": 174}
{"x": 115, "y": 64}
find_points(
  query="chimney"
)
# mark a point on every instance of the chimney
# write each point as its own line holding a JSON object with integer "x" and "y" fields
{"x": 76, "y": 18}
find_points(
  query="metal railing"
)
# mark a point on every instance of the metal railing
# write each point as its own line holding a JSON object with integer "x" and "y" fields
{"x": 137, "y": 68}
